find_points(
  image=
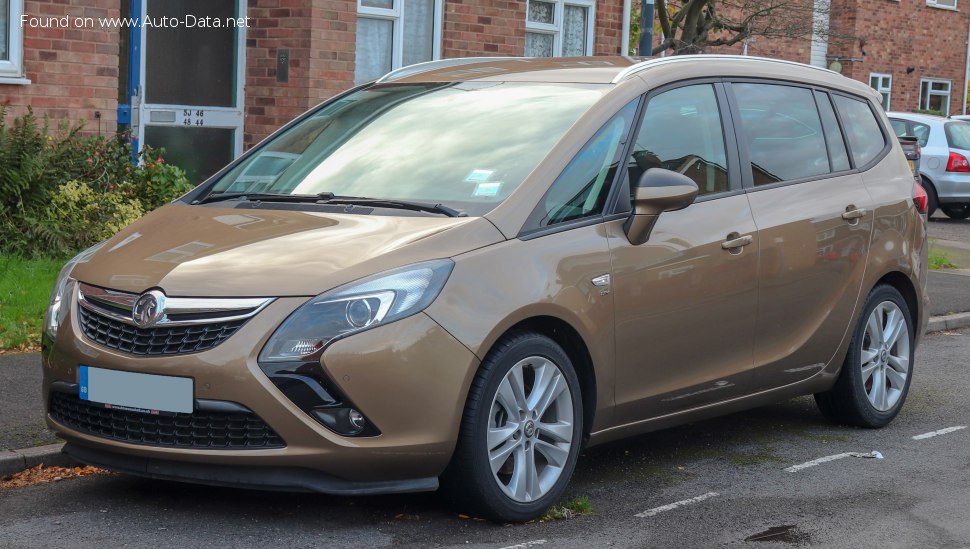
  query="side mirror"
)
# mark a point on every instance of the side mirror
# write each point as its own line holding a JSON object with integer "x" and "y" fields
{"x": 658, "y": 191}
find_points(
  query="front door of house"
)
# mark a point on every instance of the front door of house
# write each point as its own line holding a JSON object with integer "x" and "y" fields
{"x": 191, "y": 93}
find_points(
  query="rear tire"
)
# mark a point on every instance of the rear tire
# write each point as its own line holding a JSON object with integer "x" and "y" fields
{"x": 956, "y": 211}
{"x": 932, "y": 201}
{"x": 520, "y": 434}
{"x": 878, "y": 367}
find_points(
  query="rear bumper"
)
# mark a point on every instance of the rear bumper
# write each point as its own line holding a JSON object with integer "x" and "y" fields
{"x": 286, "y": 479}
{"x": 952, "y": 187}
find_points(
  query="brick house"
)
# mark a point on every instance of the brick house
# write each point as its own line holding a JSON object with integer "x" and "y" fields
{"x": 207, "y": 92}
{"x": 913, "y": 51}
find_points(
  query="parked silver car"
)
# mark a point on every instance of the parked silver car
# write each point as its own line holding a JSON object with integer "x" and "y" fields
{"x": 944, "y": 166}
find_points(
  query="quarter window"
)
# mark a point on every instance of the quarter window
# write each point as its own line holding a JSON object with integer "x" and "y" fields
{"x": 681, "y": 131}
{"x": 862, "y": 129}
{"x": 395, "y": 33}
{"x": 934, "y": 95}
{"x": 582, "y": 188}
{"x": 11, "y": 39}
{"x": 781, "y": 127}
{"x": 559, "y": 28}
{"x": 882, "y": 83}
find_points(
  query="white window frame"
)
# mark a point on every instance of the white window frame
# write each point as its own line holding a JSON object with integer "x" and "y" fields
{"x": 399, "y": 28}
{"x": 924, "y": 102}
{"x": 12, "y": 70}
{"x": 556, "y": 28}
{"x": 878, "y": 87}
{"x": 943, "y": 4}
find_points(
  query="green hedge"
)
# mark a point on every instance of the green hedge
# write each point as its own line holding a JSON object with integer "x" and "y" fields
{"x": 61, "y": 191}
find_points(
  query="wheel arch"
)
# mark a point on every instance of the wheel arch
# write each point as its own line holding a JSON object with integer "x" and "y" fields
{"x": 904, "y": 285}
{"x": 572, "y": 342}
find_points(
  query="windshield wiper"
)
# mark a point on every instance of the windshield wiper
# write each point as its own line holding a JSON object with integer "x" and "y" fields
{"x": 397, "y": 204}
{"x": 266, "y": 197}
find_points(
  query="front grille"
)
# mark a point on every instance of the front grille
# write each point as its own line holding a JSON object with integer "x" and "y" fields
{"x": 212, "y": 430}
{"x": 161, "y": 340}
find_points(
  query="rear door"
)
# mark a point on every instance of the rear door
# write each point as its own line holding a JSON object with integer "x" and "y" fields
{"x": 814, "y": 217}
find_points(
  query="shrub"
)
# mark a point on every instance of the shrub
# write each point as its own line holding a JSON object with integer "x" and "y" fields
{"x": 49, "y": 177}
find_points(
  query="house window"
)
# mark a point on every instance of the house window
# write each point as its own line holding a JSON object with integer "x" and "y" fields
{"x": 882, "y": 83}
{"x": 559, "y": 28}
{"x": 395, "y": 33}
{"x": 945, "y": 4}
{"x": 934, "y": 95}
{"x": 11, "y": 39}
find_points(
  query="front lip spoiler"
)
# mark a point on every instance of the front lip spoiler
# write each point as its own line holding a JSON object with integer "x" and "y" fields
{"x": 282, "y": 479}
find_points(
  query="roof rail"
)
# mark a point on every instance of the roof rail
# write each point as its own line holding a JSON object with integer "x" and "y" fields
{"x": 657, "y": 61}
{"x": 427, "y": 66}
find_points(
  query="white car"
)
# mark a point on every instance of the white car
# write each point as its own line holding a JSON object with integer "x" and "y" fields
{"x": 945, "y": 162}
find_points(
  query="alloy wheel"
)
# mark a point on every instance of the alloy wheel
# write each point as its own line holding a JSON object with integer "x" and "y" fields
{"x": 885, "y": 356}
{"x": 530, "y": 429}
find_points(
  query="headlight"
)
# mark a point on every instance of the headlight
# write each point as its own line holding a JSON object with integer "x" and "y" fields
{"x": 58, "y": 305}
{"x": 356, "y": 307}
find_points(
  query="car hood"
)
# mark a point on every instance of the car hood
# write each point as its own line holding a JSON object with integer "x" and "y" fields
{"x": 202, "y": 251}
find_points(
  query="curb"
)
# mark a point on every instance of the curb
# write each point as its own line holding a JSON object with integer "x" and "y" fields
{"x": 948, "y": 322}
{"x": 15, "y": 461}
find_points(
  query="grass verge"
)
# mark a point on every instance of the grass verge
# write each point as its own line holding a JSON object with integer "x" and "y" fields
{"x": 573, "y": 508}
{"x": 939, "y": 260}
{"x": 25, "y": 287}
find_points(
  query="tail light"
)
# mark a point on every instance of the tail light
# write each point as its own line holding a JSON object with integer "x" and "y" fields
{"x": 957, "y": 163}
{"x": 921, "y": 199}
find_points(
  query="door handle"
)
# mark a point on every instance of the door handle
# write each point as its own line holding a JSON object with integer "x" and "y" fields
{"x": 851, "y": 213}
{"x": 736, "y": 241}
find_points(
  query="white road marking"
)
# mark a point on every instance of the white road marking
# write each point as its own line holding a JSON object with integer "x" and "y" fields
{"x": 826, "y": 459}
{"x": 932, "y": 434}
{"x": 527, "y": 544}
{"x": 676, "y": 504}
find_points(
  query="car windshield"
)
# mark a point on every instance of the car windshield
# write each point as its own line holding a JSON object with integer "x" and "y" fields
{"x": 465, "y": 145}
{"x": 958, "y": 135}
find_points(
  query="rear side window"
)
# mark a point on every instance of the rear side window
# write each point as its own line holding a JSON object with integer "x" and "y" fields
{"x": 833, "y": 135}
{"x": 862, "y": 129}
{"x": 922, "y": 132}
{"x": 681, "y": 131}
{"x": 581, "y": 189}
{"x": 957, "y": 135}
{"x": 781, "y": 127}
{"x": 899, "y": 127}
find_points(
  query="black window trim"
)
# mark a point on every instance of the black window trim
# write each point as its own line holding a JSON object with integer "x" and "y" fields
{"x": 747, "y": 179}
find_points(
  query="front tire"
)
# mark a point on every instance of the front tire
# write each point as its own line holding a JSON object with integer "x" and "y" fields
{"x": 521, "y": 431}
{"x": 877, "y": 371}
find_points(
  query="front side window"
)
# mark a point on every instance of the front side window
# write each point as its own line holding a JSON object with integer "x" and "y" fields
{"x": 582, "y": 188}
{"x": 11, "y": 39}
{"x": 557, "y": 28}
{"x": 934, "y": 95}
{"x": 899, "y": 127}
{"x": 781, "y": 127}
{"x": 882, "y": 83}
{"x": 681, "y": 131}
{"x": 958, "y": 135}
{"x": 861, "y": 128}
{"x": 464, "y": 145}
{"x": 393, "y": 34}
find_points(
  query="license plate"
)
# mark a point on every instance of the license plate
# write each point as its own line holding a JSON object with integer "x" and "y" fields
{"x": 146, "y": 393}
{"x": 912, "y": 165}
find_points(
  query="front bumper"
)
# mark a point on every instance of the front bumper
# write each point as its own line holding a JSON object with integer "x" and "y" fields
{"x": 410, "y": 378}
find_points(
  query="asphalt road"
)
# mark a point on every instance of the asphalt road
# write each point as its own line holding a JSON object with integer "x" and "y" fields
{"x": 21, "y": 406}
{"x": 918, "y": 495}
{"x": 943, "y": 227}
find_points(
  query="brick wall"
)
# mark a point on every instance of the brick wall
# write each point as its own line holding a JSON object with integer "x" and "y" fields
{"x": 909, "y": 40}
{"x": 73, "y": 71}
{"x": 483, "y": 28}
{"x": 609, "y": 27}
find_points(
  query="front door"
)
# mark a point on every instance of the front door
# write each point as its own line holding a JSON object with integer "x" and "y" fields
{"x": 685, "y": 304}
{"x": 191, "y": 100}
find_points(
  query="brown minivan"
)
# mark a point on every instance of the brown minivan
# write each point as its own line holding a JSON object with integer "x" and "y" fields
{"x": 469, "y": 269}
